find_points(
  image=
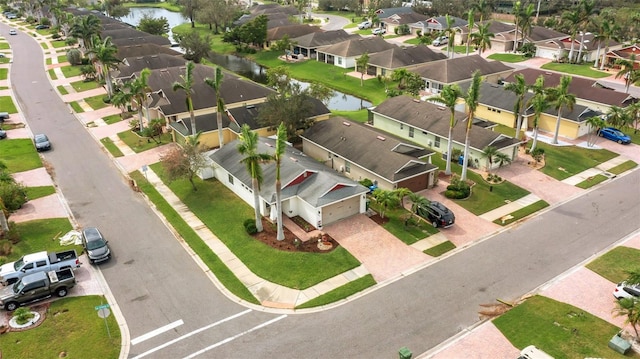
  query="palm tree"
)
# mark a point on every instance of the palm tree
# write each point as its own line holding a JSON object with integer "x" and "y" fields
{"x": 520, "y": 89}
{"x": 502, "y": 159}
{"x": 627, "y": 71}
{"x": 470, "y": 24}
{"x": 120, "y": 100}
{"x": 450, "y": 31}
{"x": 385, "y": 199}
{"x": 594, "y": 124}
{"x": 629, "y": 307}
{"x": 599, "y": 37}
{"x": 400, "y": 75}
{"x": 472, "y": 97}
{"x": 633, "y": 111}
{"x": 574, "y": 19}
{"x": 489, "y": 152}
{"x": 401, "y": 193}
{"x": 609, "y": 33}
{"x": 187, "y": 86}
{"x": 281, "y": 137}
{"x": 449, "y": 97}
{"x": 587, "y": 9}
{"x": 104, "y": 55}
{"x": 482, "y": 38}
{"x": 483, "y": 7}
{"x": 362, "y": 63}
{"x": 138, "y": 89}
{"x": 538, "y": 103}
{"x": 85, "y": 28}
{"x": 216, "y": 83}
{"x": 417, "y": 201}
{"x": 248, "y": 147}
{"x": 561, "y": 99}
{"x": 526, "y": 25}
{"x": 516, "y": 14}
{"x": 617, "y": 117}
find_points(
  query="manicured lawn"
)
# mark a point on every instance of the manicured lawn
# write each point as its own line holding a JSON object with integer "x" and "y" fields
{"x": 508, "y": 57}
{"x": 340, "y": 293}
{"x": 62, "y": 59}
{"x": 164, "y": 5}
{"x": 615, "y": 264}
{"x": 592, "y": 181}
{"x": 3, "y": 73}
{"x": 559, "y": 329}
{"x": 565, "y": 161}
{"x": 408, "y": 231}
{"x": 19, "y": 155}
{"x": 40, "y": 191}
{"x": 140, "y": 144}
{"x": 111, "y": 119}
{"x": 4, "y": 60}
{"x": 4, "y": 46}
{"x": 52, "y": 74}
{"x": 81, "y": 86}
{"x": 44, "y": 45}
{"x": 111, "y": 147}
{"x": 41, "y": 235}
{"x": 62, "y": 90}
{"x": 7, "y": 105}
{"x": 224, "y": 215}
{"x": 440, "y": 249}
{"x": 71, "y": 71}
{"x": 71, "y": 327}
{"x": 623, "y": 167}
{"x": 635, "y": 136}
{"x": 523, "y": 212}
{"x": 96, "y": 102}
{"x": 211, "y": 260}
{"x": 76, "y": 107}
{"x": 573, "y": 69}
{"x": 361, "y": 116}
{"x": 58, "y": 44}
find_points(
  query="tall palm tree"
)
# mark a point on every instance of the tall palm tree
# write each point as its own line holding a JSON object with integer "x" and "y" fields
{"x": 450, "y": 31}
{"x": 248, "y": 147}
{"x": 561, "y": 99}
{"x": 138, "y": 89}
{"x": 470, "y": 25}
{"x": 609, "y": 32}
{"x": 472, "y": 97}
{"x": 104, "y": 55}
{"x": 281, "y": 138}
{"x": 599, "y": 38}
{"x": 482, "y": 7}
{"x": 526, "y": 24}
{"x": 617, "y": 117}
{"x": 594, "y": 124}
{"x": 85, "y": 28}
{"x": 216, "y": 83}
{"x": 520, "y": 89}
{"x": 633, "y": 111}
{"x": 482, "y": 38}
{"x": 516, "y": 14}
{"x": 490, "y": 152}
{"x": 627, "y": 71}
{"x": 587, "y": 9}
{"x": 449, "y": 97}
{"x": 574, "y": 19}
{"x": 538, "y": 104}
{"x": 362, "y": 63}
{"x": 187, "y": 86}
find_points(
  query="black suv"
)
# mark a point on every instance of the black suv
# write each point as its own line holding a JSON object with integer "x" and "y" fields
{"x": 437, "y": 214}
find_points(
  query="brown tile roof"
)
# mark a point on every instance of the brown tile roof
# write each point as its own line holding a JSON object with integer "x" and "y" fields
{"x": 399, "y": 57}
{"x": 357, "y": 47}
{"x": 459, "y": 69}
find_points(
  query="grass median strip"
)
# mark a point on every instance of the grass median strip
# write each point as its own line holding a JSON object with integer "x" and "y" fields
{"x": 111, "y": 147}
{"x": 440, "y": 249}
{"x": 340, "y": 293}
{"x": 623, "y": 167}
{"x": 616, "y": 264}
{"x": 522, "y": 212}
{"x": 592, "y": 181}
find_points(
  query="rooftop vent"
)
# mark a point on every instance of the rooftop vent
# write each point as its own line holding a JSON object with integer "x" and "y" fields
{"x": 250, "y": 106}
{"x": 381, "y": 138}
{"x": 346, "y": 123}
{"x": 440, "y": 108}
{"x": 416, "y": 100}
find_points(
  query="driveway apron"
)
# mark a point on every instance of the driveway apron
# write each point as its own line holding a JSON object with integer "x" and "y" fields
{"x": 383, "y": 255}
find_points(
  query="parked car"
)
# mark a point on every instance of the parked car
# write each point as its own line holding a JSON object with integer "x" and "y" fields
{"x": 614, "y": 134}
{"x": 379, "y": 31}
{"x": 42, "y": 142}
{"x": 623, "y": 290}
{"x": 42, "y": 27}
{"x": 13, "y": 32}
{"x": 38, "y": 262}
{"x": 11, "y": 16}
{"x": 440, "y": 40}
{"x": 364, "y": 25}
{"x": 437, "y": 214}
{"x": 37, "y": 286}
{"x": 95, "y": 245}
{"x": 532, "y": 352}
{"x": 3, "y": 134}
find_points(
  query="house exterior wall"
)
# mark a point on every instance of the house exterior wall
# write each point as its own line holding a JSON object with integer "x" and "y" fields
{"x": 547, "y": 53}
{"x": 496, "y": 115}
{"x": 568, "y": 129}
{"x": 342, "y": 209}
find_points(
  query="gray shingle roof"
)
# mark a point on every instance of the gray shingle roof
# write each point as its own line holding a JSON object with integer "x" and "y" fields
{"x": 323, "y": 38}
{"x": 408, "y": 18}
{"x": 381, "y": 153}
{"x": 132, "y": 65}
{"x": 144, "y": 50}
{"x": 384, "y": 13}
{"x": 398, "y": 57}
{"x": 435, "y": 119}
{"x": 292, "y": 31}
{"x": 143, "y": 38}
{"x": 357, "y": 47}
{"x": 459, "y": 69}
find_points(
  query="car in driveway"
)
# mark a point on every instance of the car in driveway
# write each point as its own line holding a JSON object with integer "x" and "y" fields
{"x": 440, "y": 40}
{"x": 437, "y": 214}
{"x": 42, "y": 27}
{"x": 96, "y": 247}
{"x": 379, "y": 31}
{"x": 614, "y": 134}
{"x": 13, "y": 32}
{"x": 3, "y": 134}
{"x": 623, "y": 290}
{"x": 364, "y": 25}
{"x": 41, "y": 142}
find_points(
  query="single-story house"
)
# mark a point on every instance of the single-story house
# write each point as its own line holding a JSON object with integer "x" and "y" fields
{"x": 460, "y": 70}
{"x": 360, "y": 151}
{"x": 560, "y": 48}
{"x": 427, "y": 124}
{"x": 134, "y": 64}
{"x": 307, "y": 44}
{"x": 344, "y": 54}
{"x": 436, "y": 24}
{"x": 292, "y": 31}
{"x": 504, "y": 39}
{"x": 138, "y": 50}
{"x": 392, "y": 22}
{"x": 310, "y": 190}
{"x": 385, "y": 62}
{"x": 623, "y": 53}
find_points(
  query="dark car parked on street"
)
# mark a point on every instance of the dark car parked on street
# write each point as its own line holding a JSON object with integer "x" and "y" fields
{"x": 437, "y": 214}
{"x": 42, "y": 142}
{"x": 96, "y": 247}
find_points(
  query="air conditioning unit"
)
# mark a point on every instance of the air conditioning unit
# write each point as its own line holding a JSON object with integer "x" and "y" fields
{"x": 341, "y": 168}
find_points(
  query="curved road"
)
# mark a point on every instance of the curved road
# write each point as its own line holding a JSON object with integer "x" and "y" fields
{"x": 156, "y": 284}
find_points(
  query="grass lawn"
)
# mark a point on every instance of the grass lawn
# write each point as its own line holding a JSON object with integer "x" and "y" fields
{"x": 414, "y": 230}
{"x": 3, "y": 73}
{"x": 508, "y": 57}
{"x": 7, "y": 105}
{"x": 224, "y": 215}
{"x": 111, "y": 119}
{"x": 361, "y": 116}
{"x": 217, "y": 45}
{"x": 62, "y": 90}
{"x": 111, "y": 147}
{"x": 62, "y": 59}
{"x": 19, "y": 155}
{"x": 523, "y": 212}
{"x": 565, "y": 161}
{"x": 340, "y": 293}
{"x": 4, "y": 46}
{"x": 592, "y": 181}
{"x": 440, "y": 249}
{"x": 615, "y": 264}
{"x": 41, "y": 235}
{"x": 40, "y": 191}
{"x": 561, "y": 330}
{"x": 58, "y": 44}
{"x": 574, "y": 69}
{"x": 96, "y": 102}
{"x": 623, "y": 167}
{"x": 71, "y": 327}
{"x": 52, "y": 74}
{"x": 140, "y": 144}
{"x": 4, "y": 60}
{"x": 164, "y": 5}
{"x": 71, "y": 71}
{"x": 81, "y": 86}
{"x": 635, "y": 136}
{"x": 76, "y": 107}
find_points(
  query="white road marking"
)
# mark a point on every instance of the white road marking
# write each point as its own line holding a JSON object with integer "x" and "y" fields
{"x": 155, "y": 332}
{"x": 202, "y": 351}
{"x": 190, "y": 334}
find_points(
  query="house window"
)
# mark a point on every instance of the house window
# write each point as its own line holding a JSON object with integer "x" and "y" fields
{"x": 411, "y": 132}
{"x": 436, "y": 144}
{"x": 402, "y": 126}
{"x": 383, "y": 72}
{"x": 339, "y": 60}
{"x": 230, "y": 179}
{"x": 347, "y": 167}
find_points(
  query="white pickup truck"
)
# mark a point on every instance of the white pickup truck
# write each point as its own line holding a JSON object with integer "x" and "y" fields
{"x": 38, "y": 262}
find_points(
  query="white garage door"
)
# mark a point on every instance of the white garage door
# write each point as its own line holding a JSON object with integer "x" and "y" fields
{"x": 340, "y": 210}
{"x": 546, "y": 53}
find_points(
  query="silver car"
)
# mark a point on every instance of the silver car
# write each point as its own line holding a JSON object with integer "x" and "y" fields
{"x": 96, "y": 247}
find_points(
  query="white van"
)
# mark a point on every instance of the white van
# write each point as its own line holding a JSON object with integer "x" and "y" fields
{"x": 531, "y": 352}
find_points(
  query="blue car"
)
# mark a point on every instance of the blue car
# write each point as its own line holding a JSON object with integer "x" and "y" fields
{"x": 613, "y": 134}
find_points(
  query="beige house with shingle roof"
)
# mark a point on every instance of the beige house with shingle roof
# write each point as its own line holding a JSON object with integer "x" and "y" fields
{"x": 307, "y": 44}
{"x": 344, "y": 54}
{"x": 385, "y": 62}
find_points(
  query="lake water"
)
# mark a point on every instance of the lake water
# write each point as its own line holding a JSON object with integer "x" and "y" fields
{"x": 240, "y": 65}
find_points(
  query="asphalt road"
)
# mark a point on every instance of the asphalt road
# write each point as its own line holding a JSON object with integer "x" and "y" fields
{"x": 157, "y": 284}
